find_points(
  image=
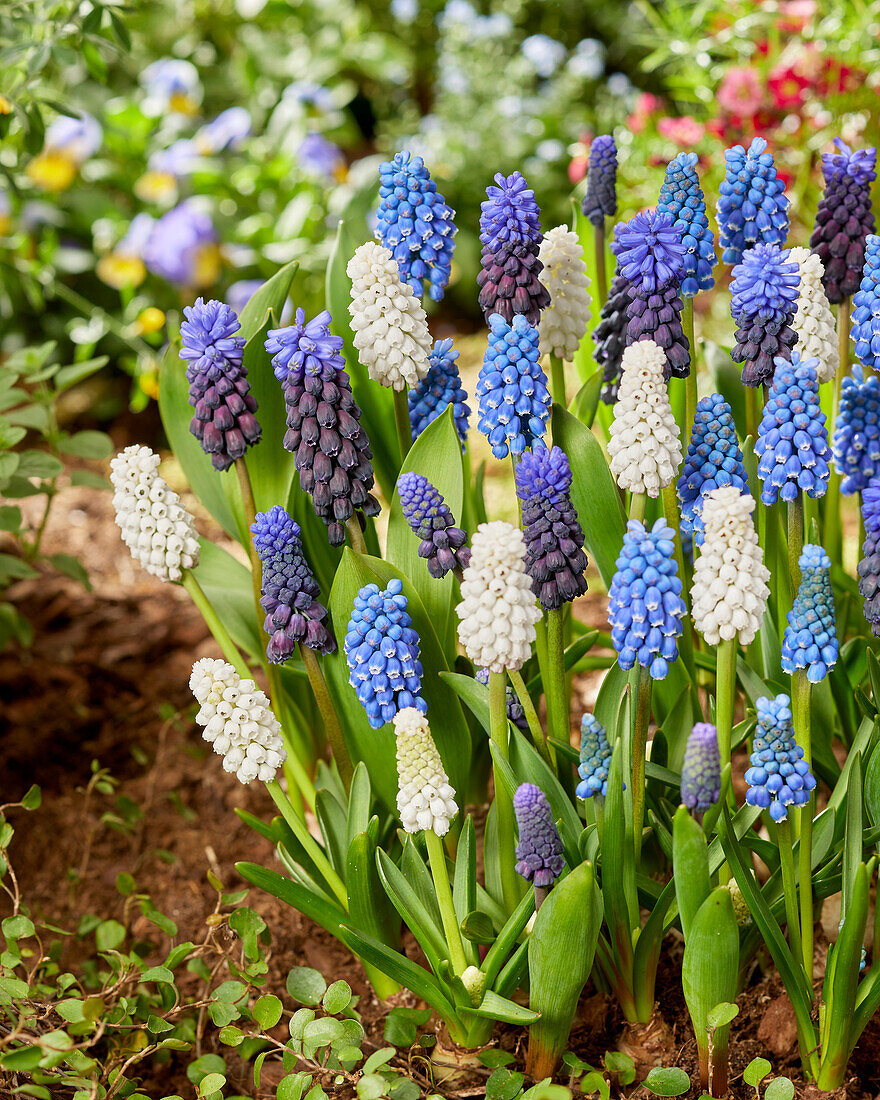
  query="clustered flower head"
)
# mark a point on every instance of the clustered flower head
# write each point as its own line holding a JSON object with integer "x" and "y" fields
{"x": 792, "y": 444}
{"x": 729, "y": 592}
{"x": 443, "y": 545}
{"x": 514, "y": 402}
{"x": 595, "y": 759}
{"x": 324, "y": 433}
{"x": 764, "y": 294}
{"x": 866, "y": 308}
{"x": 510, "y": 212}
{"x": 645, "y": 607}
{"x": 701, "y": 770}
{"x": 219, "y": 391}
{"x": 610, "y": 336}
{"x": 182, "y": 246}
{"x": 497, "y": 613}
{"x": 389, "y": 324}
{"x": 555, "y": 559}
{"x": 382, "y": 651}
{"x": 425, "y": 800}
{"x": 644, "y": 447}
{"x": 294, "y": 615}
{"x": 713, "y": 460}
{"x": 600, "y": 199}
{"x": 681, "y": 197}
{"x": 539, "y": 857}
{"x": 813, "y": 321}
{"x": 856, "y": 443}
{"x": 238, "y": 720}
{"x": 515, "y": 710}
{"x": 155, "y": 526}
{"x": 752, "y": 207}
{"x": 810, "y": 640}
{"x": 416, "y": 224}
{"x": 564, "y": 322}
{"x": 869, "y": 566}
{"x": 779, "y": 776}
{"x": 844, "y": 218}
{"x": 440, "y": 388}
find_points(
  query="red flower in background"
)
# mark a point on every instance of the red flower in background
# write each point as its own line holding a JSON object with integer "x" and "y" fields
{"x": 740, "y": 92}
{"x": 788, "y": 86}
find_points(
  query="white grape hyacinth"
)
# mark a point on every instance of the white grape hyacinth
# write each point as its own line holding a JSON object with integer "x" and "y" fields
{"x": 425, "y": 800}
{"x": 644, "y": 448}
{"x": 239, "y": 724}
{"x": 729, "y": 592}
{"x": 814, "y": 322}
{"x": 155, "y": 526}
{"x": 498, "y": 612}
{"x": 564, "y": 322}
{"x": 389, "y": 323}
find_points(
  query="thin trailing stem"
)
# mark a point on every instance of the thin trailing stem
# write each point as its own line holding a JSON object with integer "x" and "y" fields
{"x": 639, "y": 749}
{"x": 328, "y": 713}
{"x": 499, "y": 732}
{"x": 402, "y": 422}
{"x": 443, "y": 891}
{"x": 539, "y": 737}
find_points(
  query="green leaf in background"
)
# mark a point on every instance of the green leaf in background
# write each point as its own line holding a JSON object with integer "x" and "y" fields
{"x": 78, "y": 372}
{"x": 227, "y": 584}
{"x": 87, "y": 445}
{"x": 667, "y": 1082}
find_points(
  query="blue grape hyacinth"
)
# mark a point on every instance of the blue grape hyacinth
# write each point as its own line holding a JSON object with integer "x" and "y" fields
{"x": 866, "y": 308}
{"x": 701, "y": 770}
{"x": 382, "y": 651}
{"x": 869, "y": 565}
{"x": 810, "y": 640}
{"x": 509, "y": 213}
{"x": 539, "y": 857}
{"x": 792, "y": 444}
{"x": 856, "y": 443}
{"x": 713, "y": 459}
{"x": 649, "y": 249}
{"x": 595, "y": 759}
{"x": 600, "y": 199}
{"x": 764, "y": 293}
{"x": 440, "y": 388}
{"x": 645, "y": 607}
{"x": 681, "y": 197}
{"x": 779, "y": 776}
{"x": 415, "y": 223}
{"x": 514, "y": 402}
{"x": 752, "y": 206}
{"x": 442, "y": 543}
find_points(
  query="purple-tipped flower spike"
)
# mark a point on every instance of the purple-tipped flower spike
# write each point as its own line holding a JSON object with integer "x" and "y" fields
{"x": 382, "y": 651}
{"x": 595, "y": 759}
{"x": 294, "y": 614}
{"x": 810, "y": 640}
{"x": 600, "y": 200}
{"x": 713, "y": 459}
{"x": 515, "y": 710}
{"x": 324, "y": 432}
{"x": 792, "y": 444}
{"x": 440, "y": 387}
{"x": 779, "y": 776}
{"x": 764, "y": 293}
{"x": 752, "y": 207}
{"x": 645, "y": 608}
{"x": 866, "y": 308}
{"x": 610, "y": 338}
{"x": 869, "y": 566}
{"x": 443, "y": 544}
{"x": 844, "y": 218}
{"x": 701, "y": 770}
{"x": 539, "y": 852}
{"x": 649, "y": 250}
{"x": 415, "y": 223}
{"x": 510, "y": 213}
{"x": 514, "y": 402}
{"x": 555, "y": 559}
{"x": 219, "y": 391}
{"x": 856, "y": 443}
{"x": 681, "y": 197}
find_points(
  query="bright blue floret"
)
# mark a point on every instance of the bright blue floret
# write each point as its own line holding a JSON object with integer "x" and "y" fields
{"x": 866, "y": 308}
{"x": 810, "y": 640}
{"x": 440, "y": 388}
{"x": 382, "y": 651}
{"x": 510, "y": 213}
{"x": 514, "y": 402}
{"x": 650, "y": 250}
{"x": 539, "y": 855}
{"x": 681, "y": 197}
{"x": 595, "y": 759}
{"x": 701, "y": 770}
{"x": 600, "y": 199}
{"x": 779, "y": 776}
{"x": 304, "y": 348}
{"x": 752, "y": 206}
{"x": 713, "y": 460}
{"x": 645, "y": 607}
{"x": 792, "y": 444}
{"x": 764, "y": 284}
{"x": 856, "y": 442}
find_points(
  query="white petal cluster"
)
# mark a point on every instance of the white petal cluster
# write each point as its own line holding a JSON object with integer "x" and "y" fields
{"x": 155, "y": 526}
{"x": 644, "y": 448}
{"x": 497, "y": 613}
{"x": 564, "y": 322}
{"x": 730, "y": 590}
{"x": 425, "y": 799}
{"x": 814, "y": 322}
{"x": 389, "y": 324}
{"x": 238, "y": 721}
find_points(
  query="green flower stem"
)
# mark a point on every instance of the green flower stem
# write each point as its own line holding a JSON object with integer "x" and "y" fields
{"x": 250, "y": 511}
{"x": 725, "y": 693}
{"x": 328, "y": 713}
{"x": 832, "y": 530}
{"x": 789, "y": 888}
{"x": 811, "y": 516}
{"x": 690, "y": 391}
{"x": 638, "y": 503}
{"x": 215, "y": 625}
{"x": 673, "y": 518}
{"x": 541, "y": 644}
{"x": 312, "y": 848}
{"x": 554, "y": 684}
{"x": 557, "y": 376}
{"x": 795, "y": 533}
{"x": 539, "y": 737}
{"x": 752, "y": 411}
{"x": 499, "y": 732}
{"x": 601, "y": 276}
{"x": 358, "y": 544}
{"x": 639, "y": 749}
{"x": 800, "y": 697}
{"x": 443, "y": 891}
{"x": 402, "y": 422}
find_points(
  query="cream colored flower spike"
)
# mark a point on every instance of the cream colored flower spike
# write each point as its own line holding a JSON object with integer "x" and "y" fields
{"x": 814, "y": 322}
{"x": 425, "y": 799}
{"x": 564, "y": 322}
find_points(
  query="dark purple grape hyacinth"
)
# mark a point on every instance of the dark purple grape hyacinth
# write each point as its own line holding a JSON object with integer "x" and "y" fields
{"x": 701, "y": 770}
{"x": 844, "y": 218}
{"x": 869, "y": 566}
{"x": 443, "y": 545}
{"x": 555, "y": 558}
{"x": 223, "y": 422}
{"x": 324, "y": 432}
{"x": 539, "y": 857}
{"x": 600, "y": 200}
{"x": 294, "y": 615}
{"x": 609, "y": 336}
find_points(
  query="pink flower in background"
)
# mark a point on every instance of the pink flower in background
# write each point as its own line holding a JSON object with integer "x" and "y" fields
{"x": 794, "y": 15}
{"x": 645, "y": 106}
{"x": 577, "y": 168}
{"x": 684, "y": 131}
{"x": 740, "y": 92}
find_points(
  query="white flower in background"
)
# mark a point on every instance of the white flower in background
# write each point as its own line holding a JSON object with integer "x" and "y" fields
{"x": 814, "y": 322}
{"x": 425, "y": 799}
{"x": 389, "y": 324}
{"x": 729, "y": 592}
{"x": 155, "y": 526}
{"x": 238, "y": 721}
{"x": 564, "y": 322}
{"x": 498, "y": 612}
{"x": 644, "y": 448}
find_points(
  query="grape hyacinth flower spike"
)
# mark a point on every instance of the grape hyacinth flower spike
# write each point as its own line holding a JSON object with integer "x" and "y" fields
{"x": 539, "y": 851}
{"x": 701, "y": 770}
{"x": 425, "y": 800}
{"x": 752, "y": 206}
{"x": 764, "y": 295}
{"x": 514, "y": 402}
{"x": 845, "y": 218}
{"x": 223, "y": 407}
{"x": 595, "y": 759}
{"x": 866, "y": 308}
{"x": 869, "y": 566}
{"x": 564, "y": 322}
{"x": 440, "y": 388}
{"x": 813, "y": 321}
{"x": 810, "y": 640}
{"x": 609, "y": 336}
{"x": 443, "y": 545}
{"x": 681, "y": 197}
{"x": 779, "y": 776}
{"x": 856, "y": 443}
{"x": 713, "y": 460}
{"x": 600, "y": 198}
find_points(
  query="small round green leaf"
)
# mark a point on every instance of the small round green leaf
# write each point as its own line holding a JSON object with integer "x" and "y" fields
{"x": 211, "y": 1082}
{"x": 306, "y": 985}
{"x": 780, "y": 1088}
{"x": 756, "y": 1071}
{"x": 231, "y": 1036}
{"x": 722, "y": 1014}
{"x": 267, "y": 1010}
{"x": 337, "y": 998}
{"x": 668, "y": 1082}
